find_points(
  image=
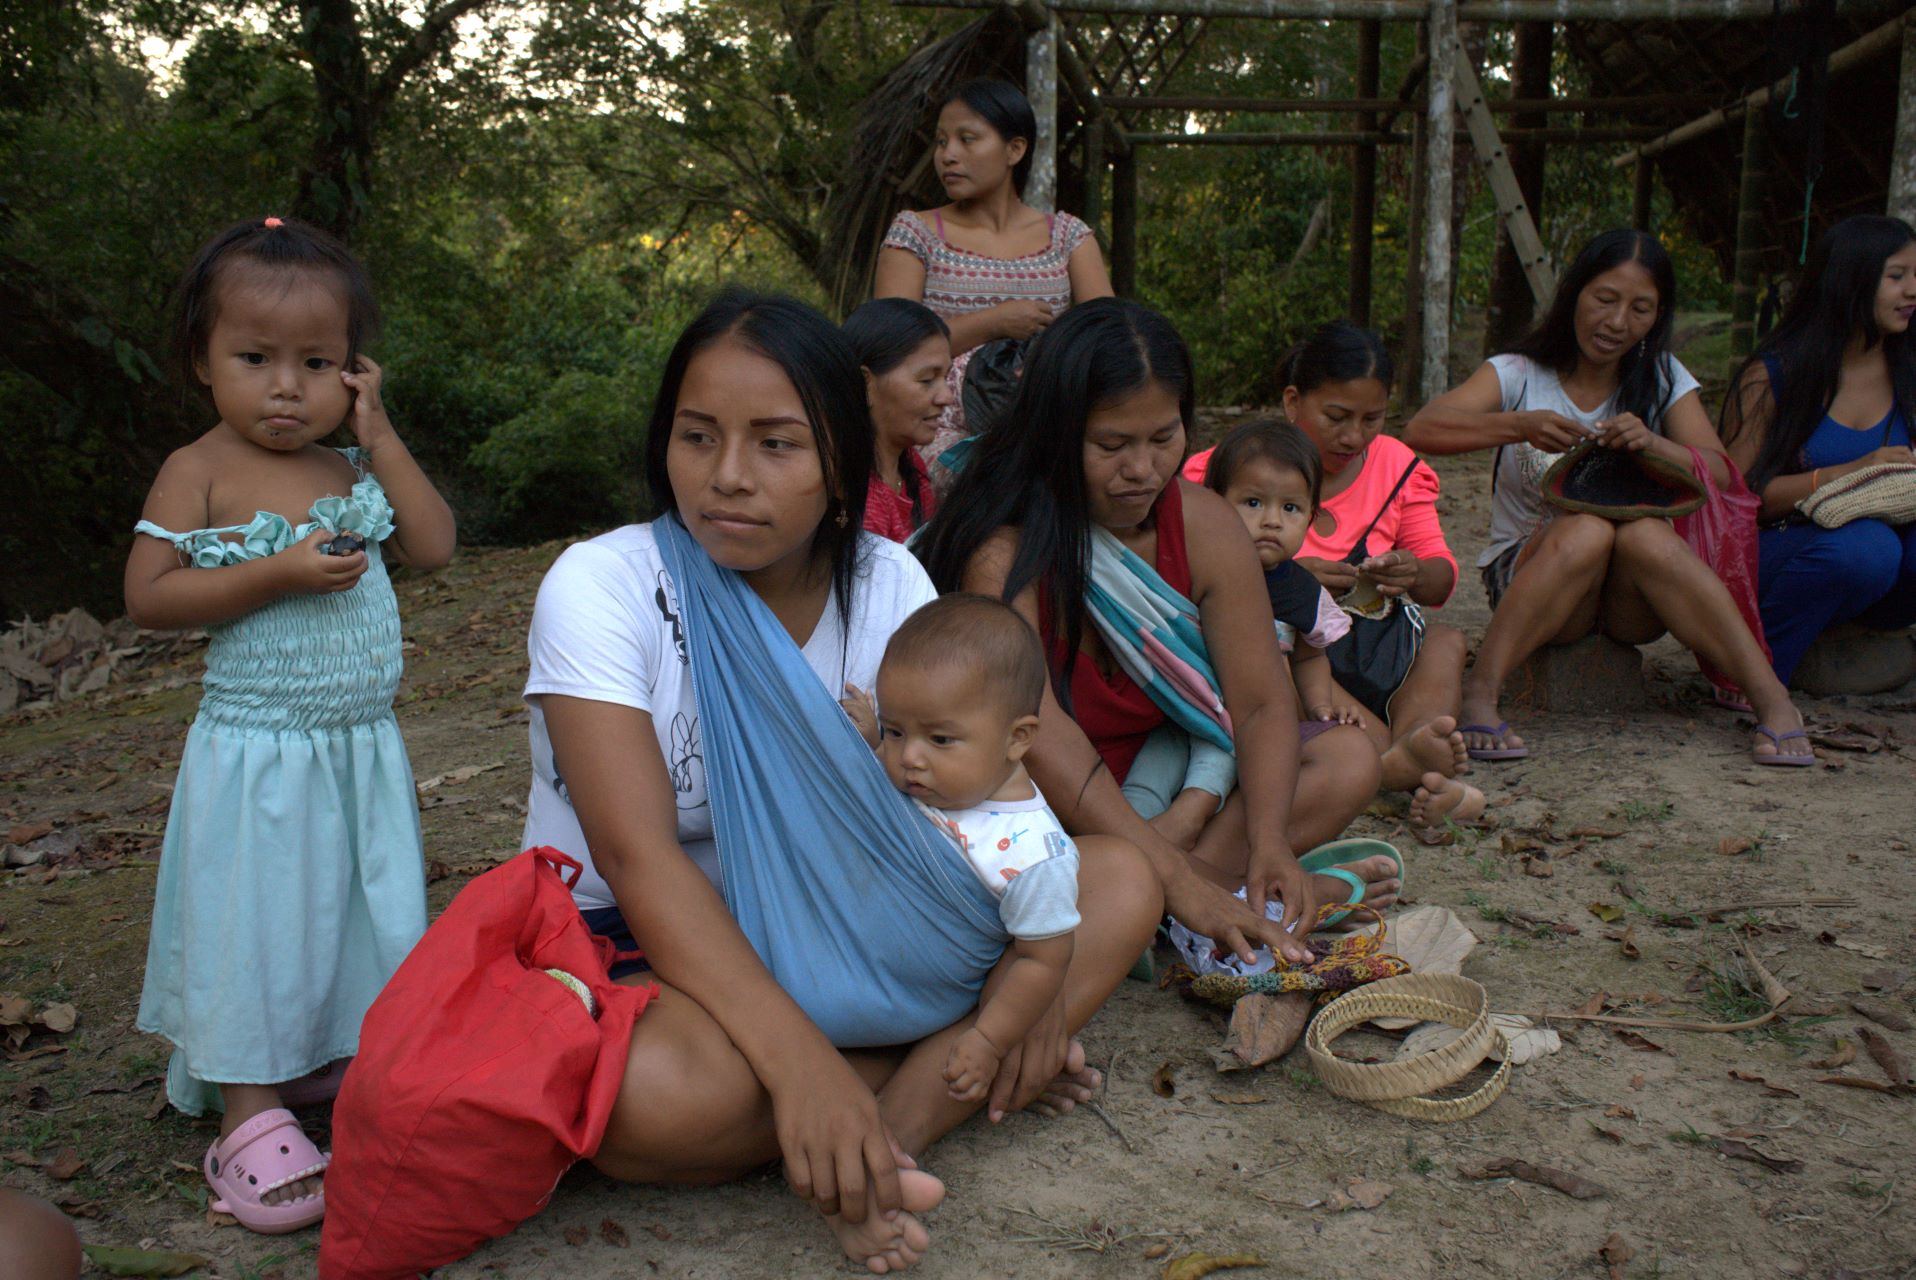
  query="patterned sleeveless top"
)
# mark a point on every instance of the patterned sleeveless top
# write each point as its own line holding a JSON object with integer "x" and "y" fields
{"x": 958, "y": 281}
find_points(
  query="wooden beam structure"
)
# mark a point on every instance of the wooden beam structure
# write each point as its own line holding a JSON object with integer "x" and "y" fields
{"x": 1417, "y": 10}
{"x": 1902, "y": 155}
{"x": 1371, "y": 103}
{"x": 1370, "y": 36}
{"x": 1748, "y": 261}
{"x": 1440, "y": 132}
{"x": 1366, "y": 138}
{"x": 1880, "y": 41}
{"x": 1041, "y": 87}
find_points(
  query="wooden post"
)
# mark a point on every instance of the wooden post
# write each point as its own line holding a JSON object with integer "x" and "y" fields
{"x": 1511, "y": 304}
{"x": 1041, "y": 86}
{"x": 1902, "y": 151}
{"x": 1094, "y": 176}
{"x": 1410, "y": 355}
{"x": 1440, "y": 151}
{"x": 1124, "y": 224}
{"x": 1749, "y": 233}
{"x": 1640, "y": 217}
{"x": 1364, "y": 176}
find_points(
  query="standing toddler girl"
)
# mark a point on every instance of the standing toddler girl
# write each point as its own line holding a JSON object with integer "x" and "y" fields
{"x": 291, "y": 883}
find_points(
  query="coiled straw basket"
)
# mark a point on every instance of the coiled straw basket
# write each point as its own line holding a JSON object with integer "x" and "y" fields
{"x": 1402, "y": 1087}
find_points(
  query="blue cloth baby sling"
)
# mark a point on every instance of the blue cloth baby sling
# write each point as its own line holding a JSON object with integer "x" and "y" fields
{"x": 861, "y": 909}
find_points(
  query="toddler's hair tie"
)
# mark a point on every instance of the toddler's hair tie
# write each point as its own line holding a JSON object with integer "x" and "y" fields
{"x": 274, "y": 222}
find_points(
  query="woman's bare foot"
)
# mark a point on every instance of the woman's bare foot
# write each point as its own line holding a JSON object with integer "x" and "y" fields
{"x": 1381, "y": 885}
{"x": 1076, "y": 1082}
{"x": 1432, "y": 747}
{"x": 1440, "y": 799}
{"x": 1483, "y": 711}
{"x": 891, "y": 1244}
{"x": 1780, "y": 716}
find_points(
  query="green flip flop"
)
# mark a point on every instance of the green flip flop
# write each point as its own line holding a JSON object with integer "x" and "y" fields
{"x": 1325, "y": 860}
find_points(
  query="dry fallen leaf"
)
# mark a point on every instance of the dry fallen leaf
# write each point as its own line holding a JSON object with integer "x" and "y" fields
{"x": 1595, "y": 833}
{"x": 658, "y": 1232}
{"x": 28, "y": 832}
{"x": 1538, "y": 865}
{"x": 1773, "y": 1090}
{"x": 1595, "y": 1005}
{"x": 1844, "y": 1055}
{"x": 1156, "y": 1251}
{"x": 59, "y": 1018}
{"x": 1264, "y": 1028}
{"x": 1880, "y": 1011}
{"x": 1615, "y": 1254}
{"x": 1730, "y": 846}
{"x": 1627, "y": 944}
{"x": 577, "y": 1235}
{"x": 1361, "y": 1194}
{"x": 1430, "y": 939}
{"x": 1744, "y": 1151}
{"x": 1605, "y": 912}
{"x": 1617, "y": 1111}
{"x": 1193, "y": 1265}
{"x": 464, "y": 773}
{"x": 1877, "y": 1045}
{"x": 1609, "y": 1135}
{"x": 613, "y": 1234}
{"x": 141, "y": 1262}
{"x": 1574, "y": 1185}
{"x": 65, "y": 1164}
{"x": 1857, "y": 1082}
{"x": 1642, "y": 1044}
{"x": 1163, "y": 1083}
{"x": 1237, "y": 1099}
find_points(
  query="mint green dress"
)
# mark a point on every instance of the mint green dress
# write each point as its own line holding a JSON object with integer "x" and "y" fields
{"x": 292, "y": 880}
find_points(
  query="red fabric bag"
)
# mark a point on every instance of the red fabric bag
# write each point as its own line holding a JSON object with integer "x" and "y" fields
{"x": 480, "y": 1078}
{"x": 1722, "y": 532}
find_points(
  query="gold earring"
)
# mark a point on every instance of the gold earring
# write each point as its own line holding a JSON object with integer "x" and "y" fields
{"x": 843, "y": 519}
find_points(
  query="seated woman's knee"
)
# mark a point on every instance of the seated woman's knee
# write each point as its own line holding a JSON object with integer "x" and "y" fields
{"x": 1443, "y": 643}
{"x": 1863, "y": 556}
{"x": 1350, "y": 756}
{"x": 1583, "y": 539}
{"x": 1125, "y": 883}
{"x": 1649, "y": 542}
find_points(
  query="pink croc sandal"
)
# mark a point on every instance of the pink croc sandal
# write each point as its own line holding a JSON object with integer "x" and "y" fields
{"x": 261, "y": 1156}
{"x": 315, "y": 1087}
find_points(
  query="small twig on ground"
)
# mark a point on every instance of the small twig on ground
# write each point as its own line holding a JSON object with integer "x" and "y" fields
{"x": 1097, "y": 1109}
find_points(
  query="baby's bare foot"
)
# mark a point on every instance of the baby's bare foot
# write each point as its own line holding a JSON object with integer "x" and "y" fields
{"x": 1440, "y": 799}
{"x": 892, "y": 1244}
{"x": 1434, "y": 747}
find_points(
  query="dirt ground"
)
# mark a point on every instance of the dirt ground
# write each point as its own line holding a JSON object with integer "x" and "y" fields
{"x": 1689, "y": 824}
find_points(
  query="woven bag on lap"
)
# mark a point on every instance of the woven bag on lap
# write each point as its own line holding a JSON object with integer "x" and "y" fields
{"x": 1884, "y": 491}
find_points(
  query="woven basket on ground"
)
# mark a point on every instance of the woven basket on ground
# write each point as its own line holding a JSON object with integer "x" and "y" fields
{"x": 1401, "y": 1087}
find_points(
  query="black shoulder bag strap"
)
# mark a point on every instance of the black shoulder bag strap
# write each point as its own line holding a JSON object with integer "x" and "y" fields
{"x": 1357, "y": 553}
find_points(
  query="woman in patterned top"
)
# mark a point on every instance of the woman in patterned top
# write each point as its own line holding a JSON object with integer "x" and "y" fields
{"x": 988, "y": 263}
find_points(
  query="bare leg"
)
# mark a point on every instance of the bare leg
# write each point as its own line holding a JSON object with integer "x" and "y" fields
{"x": 691, "y": 1110}
{"x": 240, "y": 1103}
{"x": 1552, "y": 600}
{"x": 1120, "y": 901}
{"x": 1657, "y": 584}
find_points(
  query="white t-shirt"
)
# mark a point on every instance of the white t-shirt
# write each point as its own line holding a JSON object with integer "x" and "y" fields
{"x": 1517, "y": 508}
{"x": 606, "y": 628}
{"x": 1019, "y": 852}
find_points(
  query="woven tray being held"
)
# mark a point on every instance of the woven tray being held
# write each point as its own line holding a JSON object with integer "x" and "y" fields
{"x": 1399, "y": 1087}
{"x": 1883, "y": 491}
{"x": 1619, "y": 485}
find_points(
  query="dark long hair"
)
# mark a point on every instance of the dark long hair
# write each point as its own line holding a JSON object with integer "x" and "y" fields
{"x": 1835, "y": 301}
{"x": 814, "y": 355}
{"x": 279, "y": 245}
{"x": 1005, "y": 108}
{"x": 1027, "y": 470}
{"x": 1643, "y": 374}
{"x": 1336, "y": 352}
{"x": 883, "y": 333}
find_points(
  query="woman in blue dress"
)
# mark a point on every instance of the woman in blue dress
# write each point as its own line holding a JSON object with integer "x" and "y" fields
{"x": 1832, "y": 390}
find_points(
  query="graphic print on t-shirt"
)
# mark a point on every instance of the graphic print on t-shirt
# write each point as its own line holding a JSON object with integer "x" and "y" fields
{"x": 667, "y": 602}
{"x": 687, "y": 762}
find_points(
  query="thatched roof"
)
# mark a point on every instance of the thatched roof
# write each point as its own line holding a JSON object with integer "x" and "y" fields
{"x": 888, "y": 167}
{"x": 1730, "y": 60}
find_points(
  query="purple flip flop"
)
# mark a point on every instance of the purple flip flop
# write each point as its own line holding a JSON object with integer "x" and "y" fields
{"x": 1493, "y": 753}
{"x": 1778, "y": 759}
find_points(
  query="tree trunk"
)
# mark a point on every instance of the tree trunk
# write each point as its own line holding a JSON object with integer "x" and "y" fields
{"x": 335, "y": 184}
{"x": 1511, "y": 306}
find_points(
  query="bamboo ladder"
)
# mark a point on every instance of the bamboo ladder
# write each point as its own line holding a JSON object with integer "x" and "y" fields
{"x": 1511, "y": 206}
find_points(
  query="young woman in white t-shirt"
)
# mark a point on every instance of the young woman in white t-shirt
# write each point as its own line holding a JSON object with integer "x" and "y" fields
{"x": 1598, "y": 364}
{"x": 761, "y": 444}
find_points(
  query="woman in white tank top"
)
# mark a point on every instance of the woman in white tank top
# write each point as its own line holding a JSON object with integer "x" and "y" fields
{"x": 1597, "y": 365}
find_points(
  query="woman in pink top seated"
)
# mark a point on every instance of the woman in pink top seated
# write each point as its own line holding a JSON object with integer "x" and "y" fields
{"x": 989, "y": 264}
{"x": 1337, "y": 389}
